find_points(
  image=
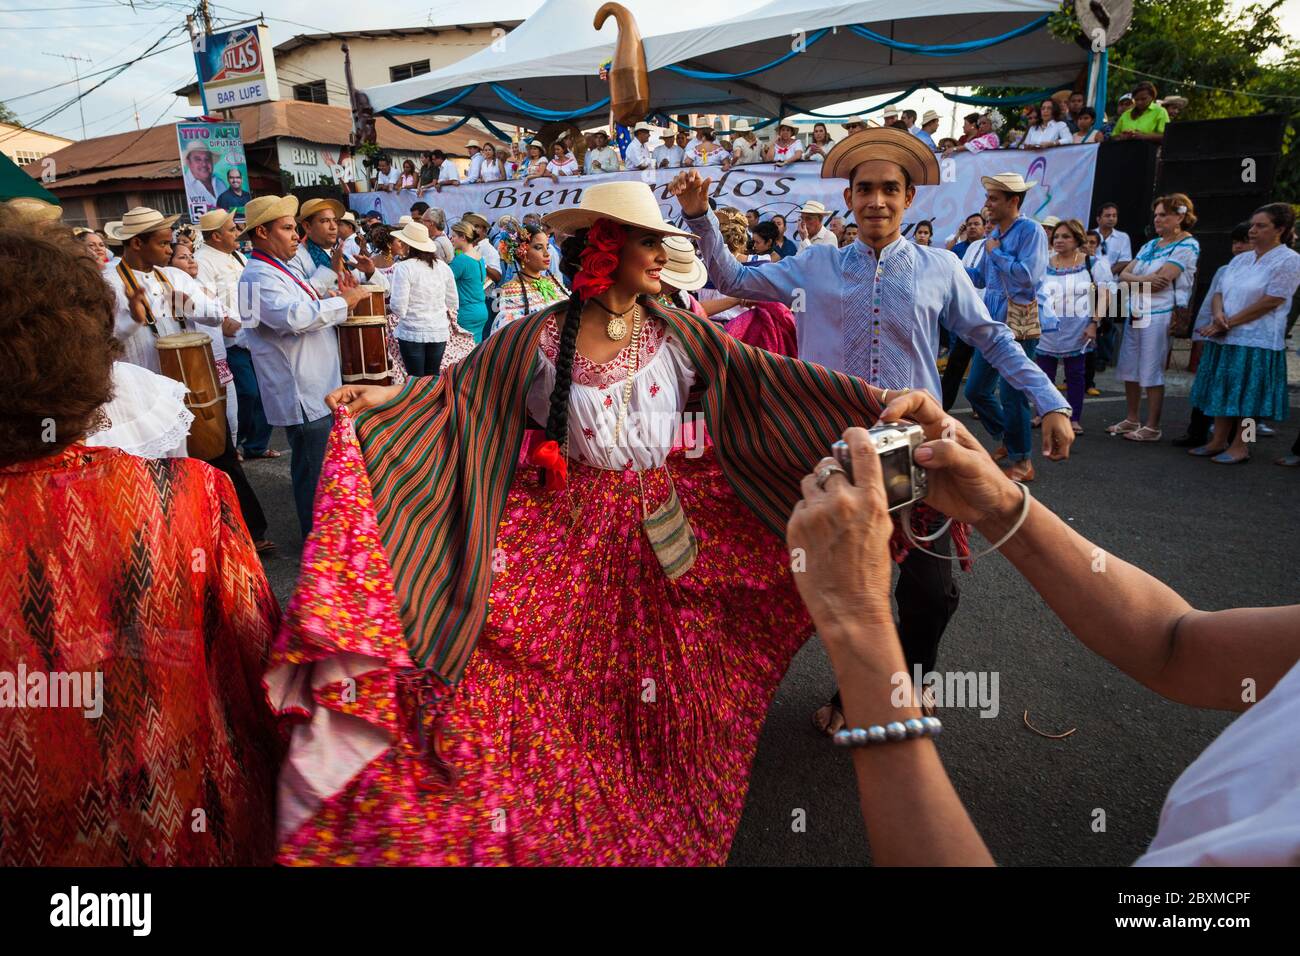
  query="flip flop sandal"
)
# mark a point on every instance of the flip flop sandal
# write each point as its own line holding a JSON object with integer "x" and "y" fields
{"x": 269, "y": 453}
{"x": 1143, "y": 434}
{"x": 1205, "y": 451}
{"x": 1288, "y": 461}
{"x": 1124, "y": 427}
{"x": 1226, "y": 459}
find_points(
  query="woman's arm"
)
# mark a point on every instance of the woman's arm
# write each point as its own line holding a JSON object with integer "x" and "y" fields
{"x": 721, "y": 304}
{"x": 1255, "y": 311}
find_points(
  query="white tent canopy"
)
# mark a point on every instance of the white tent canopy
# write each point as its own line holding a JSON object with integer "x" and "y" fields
{"x": 552, "y": 59}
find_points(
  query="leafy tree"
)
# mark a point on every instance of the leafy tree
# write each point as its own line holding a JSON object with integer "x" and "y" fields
{"x": 9, "y": 116}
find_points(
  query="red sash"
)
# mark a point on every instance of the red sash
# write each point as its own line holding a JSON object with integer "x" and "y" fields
{"x": 272, "y": 261}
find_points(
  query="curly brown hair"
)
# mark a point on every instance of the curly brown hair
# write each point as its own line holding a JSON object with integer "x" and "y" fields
{"x": 56, "y": 322}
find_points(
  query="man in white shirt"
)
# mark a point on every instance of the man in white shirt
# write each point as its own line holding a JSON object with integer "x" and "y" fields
{"x": 475, "y": 160}
{"x": 292, "y": 339}
{"x": 219, "y": 272}
{"x": 448, "y": 174}
{"x": 386, "y": 177}
{"x": 601, "y": 158}
{"x": 154, "y": 300}
{"x": 639, "y": 155}
{"x": 1116, "y": 246}
{"x": 348, "y": 236}
{"x": 812, "y": 232}
{"x": 669, "y": 154}
{"x": 200, "y": 182}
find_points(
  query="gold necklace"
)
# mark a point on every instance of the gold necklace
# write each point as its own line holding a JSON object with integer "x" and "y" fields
{"x": 616, "y": 327}
{"x": 632, "y": 361}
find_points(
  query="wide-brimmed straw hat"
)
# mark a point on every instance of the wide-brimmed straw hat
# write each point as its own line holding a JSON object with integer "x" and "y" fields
{"x": 812, "y": 208}
{"x": 629, "y": 203}
{"x": 741, "y": 126}
{"x": 788, "y": 122}
{"x": 416, "y": 235}
{"x": 29, "y": 209}
{"x": 266, "y": 209}
{"x": 684, "y": 269}
{"x": 473, "y": 143}
{"x": 854, "y": 121}
{"x": 888, "y": 143}
{"x": 110, "y": 232}
{"x": 215, "y": 219}
{"x": 1008, "y": 183}
{"x": 141, "y": 221}
{"x": 929, "y": 115}
{"x": 313, "y": 206}
{"x": 1050, "y": 222}
{"x": 196, "y": 146}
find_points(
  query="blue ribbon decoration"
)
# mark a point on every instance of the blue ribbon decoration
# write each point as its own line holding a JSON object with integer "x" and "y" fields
{"x": 538, "y": 112}
{"x": 436, "y": 108}
{"x": 710, "y": 75}
{"x": 950, "y": 49}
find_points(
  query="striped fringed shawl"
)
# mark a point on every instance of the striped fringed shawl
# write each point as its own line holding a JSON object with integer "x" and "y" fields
{"x": 442, "y": 455}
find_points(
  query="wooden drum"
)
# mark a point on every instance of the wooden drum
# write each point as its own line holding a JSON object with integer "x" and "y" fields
{"x": 373, "y": 303}
{"x": 187, "y": 358}
{"x": 363, "y": 350}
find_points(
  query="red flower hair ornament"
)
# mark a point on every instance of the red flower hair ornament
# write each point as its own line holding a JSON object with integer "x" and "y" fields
{"x": 599, "y": 260}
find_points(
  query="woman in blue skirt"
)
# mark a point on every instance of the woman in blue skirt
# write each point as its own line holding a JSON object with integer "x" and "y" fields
{"x": 1242, "y": 374}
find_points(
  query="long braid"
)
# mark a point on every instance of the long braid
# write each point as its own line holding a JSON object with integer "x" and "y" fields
{"x": 557, "y": 422}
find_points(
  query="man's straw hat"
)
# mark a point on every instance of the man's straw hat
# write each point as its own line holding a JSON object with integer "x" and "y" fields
{"x": 416, "y": 235}
{"x": 215, "y": 219}
{"x": 684, "y": 269}
{"x": 1008, "y": 183}
{"x": 629, "y": 203}
{"x": 889, "y": 143}
{"x": 313, "y": 206}
{"x": 141, "y": 221}
{"x": 266, "y": 209}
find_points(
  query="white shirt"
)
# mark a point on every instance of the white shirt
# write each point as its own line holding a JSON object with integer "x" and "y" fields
{"x": 1148, "y": 305}
{"x": 659, "y": 390}
{"x": 601, "y": 160}
{"x": 788, "y": 152}
{"x": 567, "y": 167}
{"x": 324, "y": 279}
{"x": 194, "y": 188}
{"x": 389, "y": 178}
{"x": 745, "y": 153}
{"x": 701, "y": 153}
{"x": 490, "y": 172}
{"x": 673, "y": 154}
{"x": 638, "y": 155}
{"x": 424, "y": 300}
{"x": 219, "y": 274}
{"x": 475, "y": 167}
{"x": 1117, "y": 247}
{"x": 1248, "y": 278}
{"x": 448, "y": 173}
{"x": 1053, "y": 133}
{"x": 973, "y": 254}
{"x": 351, "y": 249}
{"x": 293, "y": 343}
{"x": 488, "y": 253}
{"x": 147, "y": 414}
{"x": 824, "y": 237}
{"x": 1238, "y": 804}
{"x": 136, "y": 338}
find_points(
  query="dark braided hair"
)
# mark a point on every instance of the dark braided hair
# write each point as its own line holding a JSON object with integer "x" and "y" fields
{"x": 557, "y": 422}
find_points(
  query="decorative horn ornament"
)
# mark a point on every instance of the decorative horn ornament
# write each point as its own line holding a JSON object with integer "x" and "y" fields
{"x": 629, "y": 80}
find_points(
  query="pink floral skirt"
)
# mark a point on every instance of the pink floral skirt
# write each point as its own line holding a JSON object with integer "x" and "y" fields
{"x": 609, "y": 715}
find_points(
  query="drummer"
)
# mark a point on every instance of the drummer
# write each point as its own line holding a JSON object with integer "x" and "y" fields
{"x": 313, "y": 262}
{"x": 289, "y": 331}
{"x": 152, "y": 297}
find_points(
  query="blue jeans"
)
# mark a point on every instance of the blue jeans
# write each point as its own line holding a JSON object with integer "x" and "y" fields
{"x": 254, "y": 430}
{"x": 1008, "y": 419}
{"x": 421, "y": 358}
{"x": 307, "y": 445}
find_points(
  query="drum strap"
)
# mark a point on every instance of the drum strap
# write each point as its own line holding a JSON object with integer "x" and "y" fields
{"x": 132, "y": 286}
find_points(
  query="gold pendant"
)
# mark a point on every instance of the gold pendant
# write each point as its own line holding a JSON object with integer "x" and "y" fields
{"x": 616, "y": 329}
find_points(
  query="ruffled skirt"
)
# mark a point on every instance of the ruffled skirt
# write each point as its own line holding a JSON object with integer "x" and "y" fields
{"x": 609, "y": 715}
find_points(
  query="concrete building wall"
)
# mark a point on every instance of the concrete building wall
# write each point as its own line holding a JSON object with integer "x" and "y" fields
{"x": 28, "y": 145}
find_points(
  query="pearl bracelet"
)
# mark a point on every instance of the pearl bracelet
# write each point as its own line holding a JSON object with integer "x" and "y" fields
{"x": 896, "y": 730}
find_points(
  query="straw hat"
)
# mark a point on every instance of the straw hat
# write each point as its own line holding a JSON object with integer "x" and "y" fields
{"x": 888, "y": 143}
{"x": 638, "y": 127}
{"x": 141, "y": 221}
{"x": 1050, "y": 222}
{"x": 812, "y": 208}
{"x": 1008, "y": 183}
{"x": 788, "y": 122}
{"x": 266, "y": 209}
{"x": 348, "y": 217}
{"x": 110, "y": 232}
{"x": 195, "y": 146}
{"x": 684, "y": 269}
{"x": 854, "y": 121}
{"x": 473, "y": 143}
{"x": 474, "y": 219}
{"x": 215, "y": 219}
{"x": 929, "y": 116}
{"x": 742, "y": 126}
{"x": 313, "y": 206}
{"x": 416, "y": 235}
{"x": 629, "y": 203}
{"x": 28, "y": 209}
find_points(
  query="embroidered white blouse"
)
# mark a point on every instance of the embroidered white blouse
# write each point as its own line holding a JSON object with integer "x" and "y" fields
{"x": 1247, "y": 279}
{"x": 652, "y": 426}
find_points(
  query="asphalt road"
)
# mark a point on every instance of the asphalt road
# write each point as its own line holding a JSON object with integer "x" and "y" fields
{"x": 1223, "y": 537}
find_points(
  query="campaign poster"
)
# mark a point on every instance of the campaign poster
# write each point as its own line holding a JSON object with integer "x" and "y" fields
{"x": 214, "y": 168}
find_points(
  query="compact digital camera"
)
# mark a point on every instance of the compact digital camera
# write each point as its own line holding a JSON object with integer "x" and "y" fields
{"x": 905, "y": 481}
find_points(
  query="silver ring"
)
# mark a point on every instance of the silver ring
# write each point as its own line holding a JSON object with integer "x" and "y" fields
{"x": 824, "y": 474}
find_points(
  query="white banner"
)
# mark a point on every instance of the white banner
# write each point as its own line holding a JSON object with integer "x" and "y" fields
{"x": 1063, "y": 175}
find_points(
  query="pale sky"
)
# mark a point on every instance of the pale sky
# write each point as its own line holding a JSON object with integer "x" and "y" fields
{"x": 109, "y": 32}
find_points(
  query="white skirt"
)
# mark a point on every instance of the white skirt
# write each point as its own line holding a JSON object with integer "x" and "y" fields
{"x": 1143, "y": 352}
